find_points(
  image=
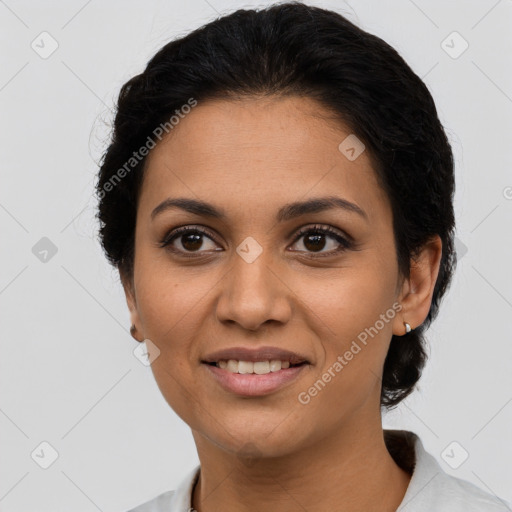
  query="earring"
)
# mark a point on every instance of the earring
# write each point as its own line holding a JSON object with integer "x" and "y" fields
{"x": 407, "y": 327}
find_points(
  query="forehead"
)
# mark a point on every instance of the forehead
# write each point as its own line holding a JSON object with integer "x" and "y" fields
{"x": 259, "y": 154}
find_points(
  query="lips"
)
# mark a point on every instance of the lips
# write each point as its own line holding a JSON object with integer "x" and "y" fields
{"x": 253, "y": 385}
{"x": 274, "y": 369}
{"x": 255, "y": 354}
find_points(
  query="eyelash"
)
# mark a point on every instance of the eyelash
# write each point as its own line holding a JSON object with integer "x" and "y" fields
{"x": 327, "y": 230}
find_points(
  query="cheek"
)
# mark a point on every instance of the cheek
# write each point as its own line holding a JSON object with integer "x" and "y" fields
{"x": 176, "y": 386}
{"x": 354, "y": 317}
{"x": 351, "y": 300}
{"x": 171, "y": 306}
{"x": 349, "y": 376}
{"x": 170, "y": 302}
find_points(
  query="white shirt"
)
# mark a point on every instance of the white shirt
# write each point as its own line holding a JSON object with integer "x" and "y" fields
{"x": 430, "y": 488}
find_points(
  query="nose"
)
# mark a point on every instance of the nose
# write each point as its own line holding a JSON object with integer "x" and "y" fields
{"x": 253, "y": 294}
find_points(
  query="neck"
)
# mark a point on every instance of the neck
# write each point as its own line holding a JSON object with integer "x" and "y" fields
{"x": 349, "y": 471}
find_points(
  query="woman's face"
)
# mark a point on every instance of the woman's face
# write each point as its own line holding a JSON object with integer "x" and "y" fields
{"x": 250, "y": 280}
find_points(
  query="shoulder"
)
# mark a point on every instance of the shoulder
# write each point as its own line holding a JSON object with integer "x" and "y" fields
{"x": 173, "y": 501}
{"x": 161, "y": 503}
{"x": 456, "y": 495}
{"x": 431, "y": 488}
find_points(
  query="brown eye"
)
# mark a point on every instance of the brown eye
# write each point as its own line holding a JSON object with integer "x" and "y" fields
{"x": 190, "y": 239}
{"x": 315, "y": 240}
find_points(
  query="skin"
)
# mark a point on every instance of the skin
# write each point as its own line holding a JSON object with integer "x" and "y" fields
{"x": 250, "y": 157}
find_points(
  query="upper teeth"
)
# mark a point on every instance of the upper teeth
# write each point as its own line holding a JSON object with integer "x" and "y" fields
{"x": 258, "y": 367}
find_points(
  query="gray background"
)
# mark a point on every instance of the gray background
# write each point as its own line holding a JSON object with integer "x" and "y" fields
{"x": 67, "y": 371}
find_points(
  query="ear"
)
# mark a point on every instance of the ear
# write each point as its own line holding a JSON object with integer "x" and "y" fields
{"x": 417, "y": 291}
{"x": 131, "y": 301}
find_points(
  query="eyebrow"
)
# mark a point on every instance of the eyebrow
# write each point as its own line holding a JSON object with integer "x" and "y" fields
{"x": 287, "y": 212}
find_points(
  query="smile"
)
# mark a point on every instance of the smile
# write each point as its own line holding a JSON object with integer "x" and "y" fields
{"x": 257, "y": 367}
{"x": 247, "y": 378}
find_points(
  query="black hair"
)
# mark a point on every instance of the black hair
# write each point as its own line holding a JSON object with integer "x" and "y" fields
{"x": 296, "y": 49}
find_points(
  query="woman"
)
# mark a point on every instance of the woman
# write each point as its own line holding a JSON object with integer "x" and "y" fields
{"x": 277, "y": 198}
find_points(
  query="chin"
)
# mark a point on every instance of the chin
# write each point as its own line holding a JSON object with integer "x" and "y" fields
{"x": 251, "y": 450}
{"x": 255, "y": 443}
